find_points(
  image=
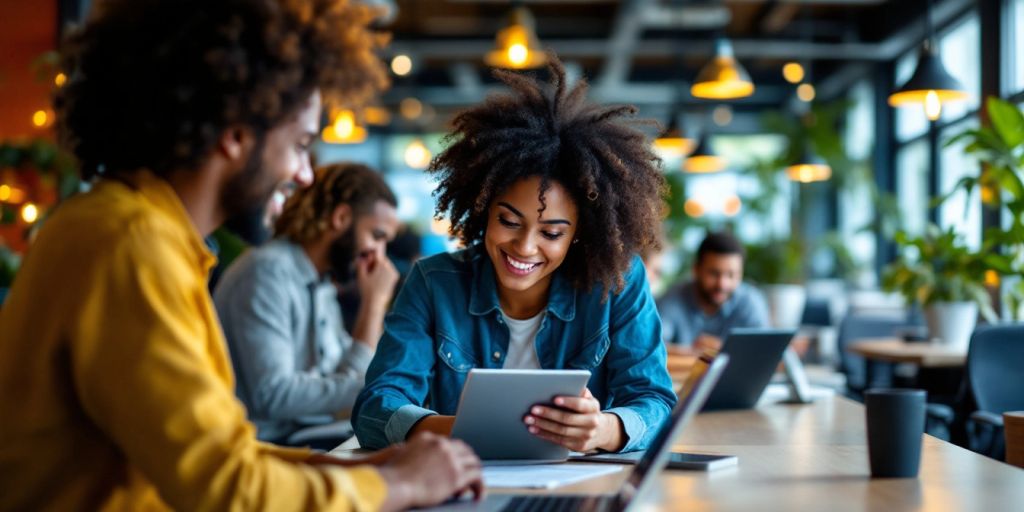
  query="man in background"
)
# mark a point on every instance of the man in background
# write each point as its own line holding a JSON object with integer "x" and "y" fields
{"x": 297, "y": 365}
{"x": 698, "y": 314}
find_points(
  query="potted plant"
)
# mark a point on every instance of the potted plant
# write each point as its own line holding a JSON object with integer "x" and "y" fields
{"x": 1000, "y": 150}
{"x": 777, "y": 267}
{"x": 938, "y": 271}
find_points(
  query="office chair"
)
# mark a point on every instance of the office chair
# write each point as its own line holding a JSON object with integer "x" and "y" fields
{"x": 995, "y": 376}
{"x": 856, "y": 327}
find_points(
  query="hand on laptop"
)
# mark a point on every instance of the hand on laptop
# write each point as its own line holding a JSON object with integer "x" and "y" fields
{"x": 577, "y": 423}
{"x": 428, "y": 470}
{"x": 707, "y": 341}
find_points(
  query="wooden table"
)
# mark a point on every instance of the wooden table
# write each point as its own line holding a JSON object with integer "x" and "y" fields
{"x": 922, "y": 354}
{"x": 814, "y": 458}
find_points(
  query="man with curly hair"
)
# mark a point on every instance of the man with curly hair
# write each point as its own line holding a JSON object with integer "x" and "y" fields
{"x": 297, "y": 366}
{"x": 116, "y": 391}
{"x": 553, "y": 197}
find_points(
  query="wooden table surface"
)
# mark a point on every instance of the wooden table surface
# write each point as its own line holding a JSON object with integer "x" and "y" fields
{"x": 814, "y": 458}
{"x": 922, "y": 354}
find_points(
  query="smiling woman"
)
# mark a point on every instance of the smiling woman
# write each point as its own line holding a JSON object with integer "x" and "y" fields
{"x": 554, "y": 197}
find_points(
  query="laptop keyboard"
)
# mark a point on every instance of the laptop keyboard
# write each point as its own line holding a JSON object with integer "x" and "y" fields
{"x": 553, "y": 503}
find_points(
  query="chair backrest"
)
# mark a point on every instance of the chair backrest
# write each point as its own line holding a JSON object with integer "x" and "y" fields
{"x": 995, "y": 367}
{"x": 817, "y": 312}
{"x": 856, "y": 327}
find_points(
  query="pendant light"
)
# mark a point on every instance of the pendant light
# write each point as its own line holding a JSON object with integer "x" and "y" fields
{"x": 930, "y": 85}
{"x": 703, "y": 160}
{"x": 344, "y": 129}
{"x": 809, "y": 168}
{"x": 723, "y": 78}
{"x": 417, "y": 155}
{"x": 516, "y": 46}
{"x": 673, "y": 141}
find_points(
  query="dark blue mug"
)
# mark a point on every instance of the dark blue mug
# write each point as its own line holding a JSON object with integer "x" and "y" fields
{"x": 895, "y": 420}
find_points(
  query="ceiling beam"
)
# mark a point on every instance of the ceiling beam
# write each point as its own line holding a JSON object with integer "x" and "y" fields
{"x": 597, "y": 48}
{"x": 632, "y": 93}
{"x": 621, "y": 46}
{"x": 474, "y": 49}
{"x": 778, "y": 17}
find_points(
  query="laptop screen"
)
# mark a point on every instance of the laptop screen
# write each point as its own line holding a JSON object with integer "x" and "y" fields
{"x": 658, "y": 452}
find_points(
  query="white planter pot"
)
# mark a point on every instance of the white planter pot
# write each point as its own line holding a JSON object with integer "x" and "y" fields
{"x": 785, "y": 304}
{"x": 952, "y": 323}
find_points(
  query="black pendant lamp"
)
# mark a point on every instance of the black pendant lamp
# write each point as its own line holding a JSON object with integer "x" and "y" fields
{"x": 930, "y": 85}
{"x": 673, "y": 142}
{"x": 703, "y": 160}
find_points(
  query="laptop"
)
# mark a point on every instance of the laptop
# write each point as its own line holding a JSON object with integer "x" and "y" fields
{"x": 754, "y": 356}
{"x": 643, "y": 475}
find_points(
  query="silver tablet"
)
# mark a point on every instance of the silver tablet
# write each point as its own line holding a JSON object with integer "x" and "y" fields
{"x": 492, "y": 407}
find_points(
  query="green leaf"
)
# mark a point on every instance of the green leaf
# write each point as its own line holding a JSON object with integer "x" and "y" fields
{"x": 999, "y": 263}
{"x": 1007, "y": 120}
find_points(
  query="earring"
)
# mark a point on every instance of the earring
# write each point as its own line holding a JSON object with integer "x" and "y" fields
{"x": 576, "y": 240}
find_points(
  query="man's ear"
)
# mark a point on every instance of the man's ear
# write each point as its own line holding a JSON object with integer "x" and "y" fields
{"x": 341, "y": 218}
{"x": 235, "y": 143}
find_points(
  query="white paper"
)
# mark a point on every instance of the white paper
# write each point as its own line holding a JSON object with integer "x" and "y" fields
{"x": 544, "y": 476}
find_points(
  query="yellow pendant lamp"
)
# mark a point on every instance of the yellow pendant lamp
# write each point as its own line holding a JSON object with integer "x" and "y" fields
{"x": 344, "y": 129}
{"x": 516, "y": 46}
{"x": 931, "y": 85}
{"x": 809, "y": 169}
{"x": 723, "y": 78}
{"x": 703, "y": 160}
{"x": 673, "y": 143}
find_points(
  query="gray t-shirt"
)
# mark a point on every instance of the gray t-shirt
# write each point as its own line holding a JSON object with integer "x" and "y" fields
{"x": 294, "y": 362}
{"x": 682, "y": 318}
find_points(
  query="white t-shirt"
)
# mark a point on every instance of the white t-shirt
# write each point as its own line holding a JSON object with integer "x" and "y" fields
{"x": 522, "y": 354}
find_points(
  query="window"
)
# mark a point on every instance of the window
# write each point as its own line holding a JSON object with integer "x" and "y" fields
{"x": 856, "y": 208}
{"x": 367, "y": 152}
{"x": 1015, "y": 50}
{"x": 912, "y": 185}
{"x": 959, "y": 211}
{"x": 961, "y": 55}
{"x": 717, "y": 190}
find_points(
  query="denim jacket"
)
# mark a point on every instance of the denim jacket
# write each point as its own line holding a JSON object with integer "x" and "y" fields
{"x": 446, "y": 320}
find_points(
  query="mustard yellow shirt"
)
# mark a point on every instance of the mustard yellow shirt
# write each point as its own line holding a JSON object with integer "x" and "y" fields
{"x": 116, "y": 391}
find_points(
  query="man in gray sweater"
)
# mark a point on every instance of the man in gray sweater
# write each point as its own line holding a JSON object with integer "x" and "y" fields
{"x": 295, "y": 363}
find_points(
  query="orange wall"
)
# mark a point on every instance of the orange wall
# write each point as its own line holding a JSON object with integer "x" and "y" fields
{"x": 28, "y": 28}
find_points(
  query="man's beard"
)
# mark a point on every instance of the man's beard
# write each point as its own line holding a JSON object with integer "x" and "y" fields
{"x": 245, "y": 197}
{"x": 341, "y": 256}
{"x": 708, "y": 297}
